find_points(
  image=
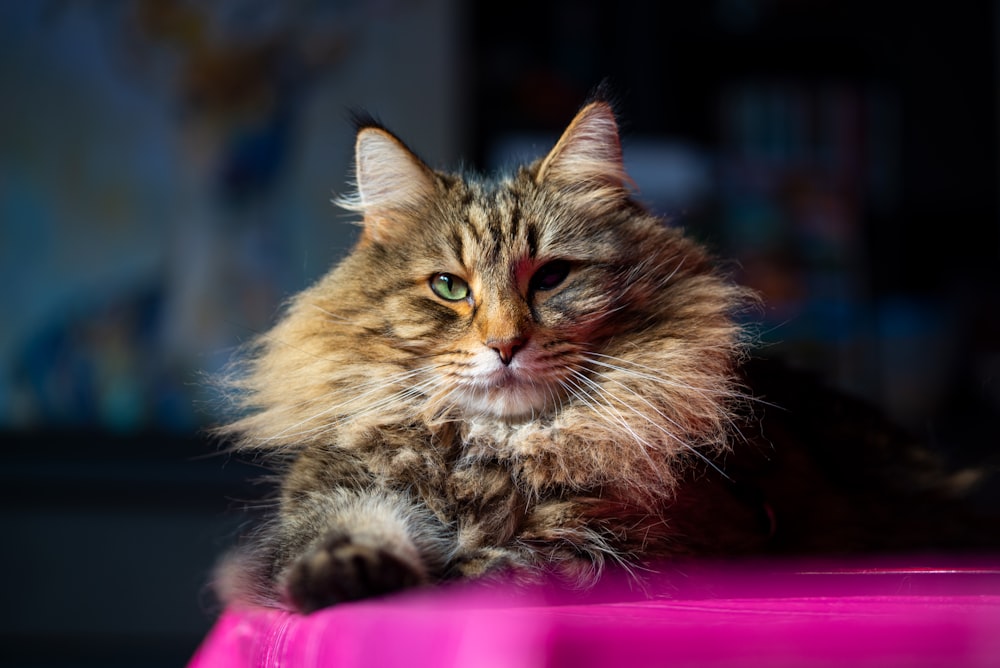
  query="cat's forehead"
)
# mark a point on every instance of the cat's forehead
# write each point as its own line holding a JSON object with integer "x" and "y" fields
{"x": 499, "y": 218}
{"x": 490, "y": 206}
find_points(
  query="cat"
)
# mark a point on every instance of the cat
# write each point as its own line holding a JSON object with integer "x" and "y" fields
{"x": 512, "y": 378}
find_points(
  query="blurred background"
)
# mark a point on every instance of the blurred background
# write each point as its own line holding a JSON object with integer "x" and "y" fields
{"x": 166, "y": 171}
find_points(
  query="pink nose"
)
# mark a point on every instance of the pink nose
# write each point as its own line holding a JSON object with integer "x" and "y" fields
{"x": 506, "y": 348}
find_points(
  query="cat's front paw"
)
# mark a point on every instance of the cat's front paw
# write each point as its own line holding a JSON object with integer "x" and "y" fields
{"x": 341, "y": 569}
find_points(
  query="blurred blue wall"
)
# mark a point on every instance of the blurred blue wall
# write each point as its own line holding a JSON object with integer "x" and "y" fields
{"x": 165, "y": 181}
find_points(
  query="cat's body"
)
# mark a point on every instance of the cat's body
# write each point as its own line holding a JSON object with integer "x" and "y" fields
{"x": 518, "y": 377}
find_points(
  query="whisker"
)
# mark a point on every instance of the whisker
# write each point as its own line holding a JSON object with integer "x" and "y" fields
{"x": 659, "y": 427}
{"x": 729, "y": 393}
{"x": 399, "y": 397}
{"x": 369, "y": 388}
{"x": 602, "y": 390}
{"x": 655, "y": 375}
{"x": 613, "y": 416}
{"x": 333, "y": 316}
{"x": 619, "y": 419}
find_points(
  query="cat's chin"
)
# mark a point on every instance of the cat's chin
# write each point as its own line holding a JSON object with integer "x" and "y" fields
{"x": 512, "y": 399}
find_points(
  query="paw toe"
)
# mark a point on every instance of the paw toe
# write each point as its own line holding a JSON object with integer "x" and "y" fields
{"x": 342, "y": 570}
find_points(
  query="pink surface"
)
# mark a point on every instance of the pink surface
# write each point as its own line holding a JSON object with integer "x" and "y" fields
{"x": 875, "y": 615}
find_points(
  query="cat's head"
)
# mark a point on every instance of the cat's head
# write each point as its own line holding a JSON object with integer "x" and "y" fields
{"x": 501, "y": 295}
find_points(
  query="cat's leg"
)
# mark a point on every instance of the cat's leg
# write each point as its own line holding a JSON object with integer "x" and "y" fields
{"x": 555, "y": 539}
{"x": 489, "y": 510}
{"x": 513, "y": 537}
{"x": 570, "y": 541}
{"x": 343, "y": 544}
{"x": 349, "y": 544}
{"x": 340, "y": 533}
{"x": 344, "y": 532}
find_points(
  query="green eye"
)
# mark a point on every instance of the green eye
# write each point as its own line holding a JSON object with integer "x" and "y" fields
{"x": 450, "y": 287}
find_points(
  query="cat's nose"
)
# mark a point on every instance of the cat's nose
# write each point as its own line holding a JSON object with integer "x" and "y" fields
{"x": 506, "y": 348}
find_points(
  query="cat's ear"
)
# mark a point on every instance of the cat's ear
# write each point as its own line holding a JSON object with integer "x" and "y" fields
{"x": 391, "y": 181}
{"x": 588, "y": 156}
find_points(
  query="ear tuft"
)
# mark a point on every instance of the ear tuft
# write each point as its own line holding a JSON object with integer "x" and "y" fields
{"x": 588, "y": 156}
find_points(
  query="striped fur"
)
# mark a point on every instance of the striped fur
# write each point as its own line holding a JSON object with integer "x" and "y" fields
{"x": 538, "y": 425}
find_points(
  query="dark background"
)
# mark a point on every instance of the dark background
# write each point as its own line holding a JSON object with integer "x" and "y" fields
{"x": 165, "y": 177}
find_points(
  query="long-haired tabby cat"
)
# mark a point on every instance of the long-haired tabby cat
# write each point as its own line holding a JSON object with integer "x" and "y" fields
{"x": 525, "y": 377}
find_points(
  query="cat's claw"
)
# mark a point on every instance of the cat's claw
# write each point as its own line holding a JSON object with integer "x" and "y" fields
{"x": 342, "y": 570}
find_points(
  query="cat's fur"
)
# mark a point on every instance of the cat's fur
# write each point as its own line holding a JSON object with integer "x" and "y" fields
{"x": 569, "y": 412}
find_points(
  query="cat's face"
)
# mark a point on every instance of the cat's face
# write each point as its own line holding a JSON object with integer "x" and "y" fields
{"x": 504, "y": 303}
{"x": 547, "y": 294}
{"x": 503, "y": 292}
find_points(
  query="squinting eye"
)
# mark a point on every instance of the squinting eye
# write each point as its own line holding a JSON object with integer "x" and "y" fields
{"x": 550, "y": 275}
{"x": 450, "y": 287}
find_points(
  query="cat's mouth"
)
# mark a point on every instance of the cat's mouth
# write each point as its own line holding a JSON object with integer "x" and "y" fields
{"x": 507, "y": 393}
{"x": 503, "y": 378}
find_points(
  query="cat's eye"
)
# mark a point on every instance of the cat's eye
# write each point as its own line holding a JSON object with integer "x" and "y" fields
{"x": 450, "y": 287}
{"x": 550, "y": 275}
